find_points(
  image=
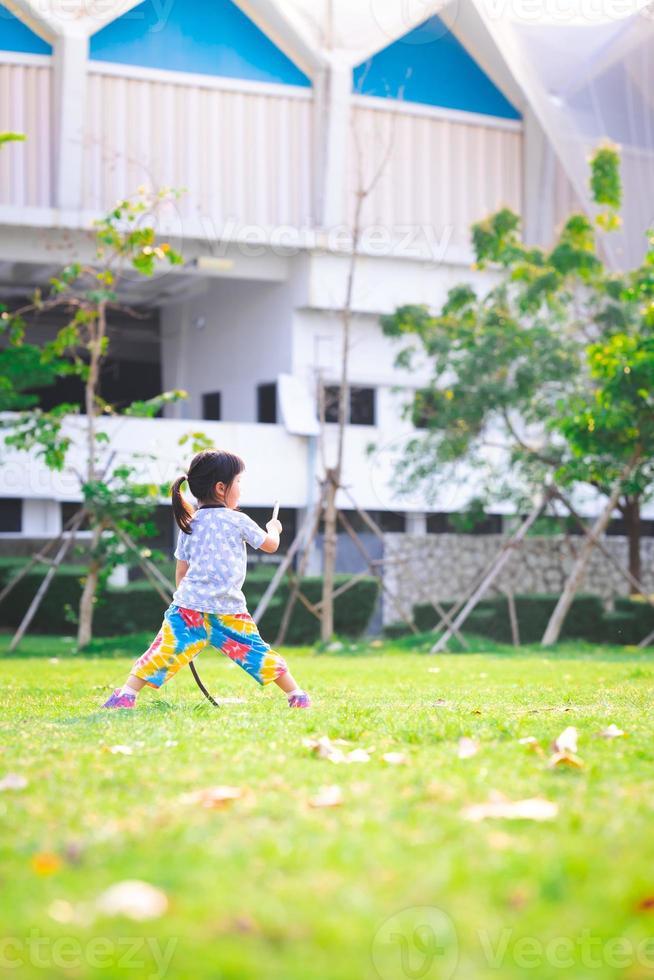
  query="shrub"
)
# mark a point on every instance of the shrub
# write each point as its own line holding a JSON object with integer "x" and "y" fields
{"x": 395, "y": 630}
{"x": 490, "y": 617}
{"x": 641, "y": 616}
{"x": 137, "y": 607}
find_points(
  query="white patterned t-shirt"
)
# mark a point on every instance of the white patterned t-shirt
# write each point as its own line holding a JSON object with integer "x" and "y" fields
{"x": 215, "y": 551}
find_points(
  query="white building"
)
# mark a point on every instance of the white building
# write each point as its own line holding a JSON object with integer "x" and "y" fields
{"x": 262, "y": 109}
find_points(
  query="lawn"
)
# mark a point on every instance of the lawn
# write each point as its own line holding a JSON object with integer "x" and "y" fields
{"x": 394, "y": 882}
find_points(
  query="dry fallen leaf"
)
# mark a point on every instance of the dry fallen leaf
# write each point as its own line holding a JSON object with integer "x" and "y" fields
{"x": 45, "y": 864}
{"x": 395, "y": 758}
{"x": 213, "y": 798}
{"x": 327, "y": 796}
{"x": 566, "y": 741}
{"x": 564, "y": 749}
{"x": 500, "y": 841}
{"x": 565, "y": 759}
{"x": 133, "y": 899}
{"x": 467, "y": 747}
{"x": 324, "y": 748}
{"x": 13, "y": 781}
{"x": 62, "y": 911}
{"x": 611, "y": 732}
{"x": 502, "y": 808}
{"x": 532, "y": 743}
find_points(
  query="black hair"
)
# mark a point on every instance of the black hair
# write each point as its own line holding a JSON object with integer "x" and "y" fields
{"x": 207, "y": 468}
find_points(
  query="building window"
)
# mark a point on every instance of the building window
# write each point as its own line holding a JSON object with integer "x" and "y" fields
{"x": 267, "y": 402}
{"x": 386, "y": 520}
{"x": 359, "y": 405}
{"x": 68, "y": 510}
{"x": 330, "y": 395}
{"x": 11, "y": 515}
{"x": 362, "y": 406}
{"x": 441, "y": 523}
{"x": 211, "y": 406}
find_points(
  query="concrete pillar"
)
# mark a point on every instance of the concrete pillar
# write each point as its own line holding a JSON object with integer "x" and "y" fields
{"x": 333, "y": 87}
{"x": 175, "y": 327}
{"x": 416, "y": 523}
{"x": 41, "y": 518}
{"x": 69, "y": 61}
{"x": 119, "y": 577}
{"x": 539, "y": 163}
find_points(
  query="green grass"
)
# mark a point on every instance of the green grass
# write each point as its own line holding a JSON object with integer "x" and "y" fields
{"x": 271, "y": 888}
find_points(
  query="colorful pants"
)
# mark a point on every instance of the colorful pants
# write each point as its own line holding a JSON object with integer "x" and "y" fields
{"x": 184, "y": 632}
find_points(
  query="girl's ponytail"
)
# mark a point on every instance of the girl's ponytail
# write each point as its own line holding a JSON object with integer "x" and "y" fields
{"x": 209, "y": 467}
{"x": 181, "y": 510}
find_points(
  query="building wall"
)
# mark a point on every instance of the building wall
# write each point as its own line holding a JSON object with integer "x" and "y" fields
{"x": 445, "y": 566}
{"x": 230, "y": 339}
{"x": 241, "y": 152}
{"x": 25, "y": 98}
{"x": 444, "y": 170}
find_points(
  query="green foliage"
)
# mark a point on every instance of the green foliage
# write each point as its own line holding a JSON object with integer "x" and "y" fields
{"x": 552, "y": 369}
{"x": 606, "y": 185}
{"x": 148, "y": 409}
{"x": 84, "y": 292}
{"x": 42, "y": 431}
{"x": 117, "y": 501}
{"x": 12, "y": 138}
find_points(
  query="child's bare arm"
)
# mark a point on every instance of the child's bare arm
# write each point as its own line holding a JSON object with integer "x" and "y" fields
{"x": 270, "y": 544}
{"x": 180, "y": 571}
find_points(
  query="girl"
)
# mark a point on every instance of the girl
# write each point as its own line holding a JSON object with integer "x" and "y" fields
{"x": 208, "y": 607}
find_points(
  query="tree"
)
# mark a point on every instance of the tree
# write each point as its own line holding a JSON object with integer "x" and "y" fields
{"x": 552, "y": 367}
{"x": 114, "y": 502}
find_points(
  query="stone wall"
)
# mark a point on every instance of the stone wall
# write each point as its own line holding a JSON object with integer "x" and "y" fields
{"x": 418, "y": 568}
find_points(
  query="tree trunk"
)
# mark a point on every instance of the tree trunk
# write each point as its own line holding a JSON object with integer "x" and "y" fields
{"x": 631, "y": 514}
{"x": 87, "y": 601}
{"x": 335, "y": 474}
{"x": 575, "y": 578}
{"x": 330, "y": 541}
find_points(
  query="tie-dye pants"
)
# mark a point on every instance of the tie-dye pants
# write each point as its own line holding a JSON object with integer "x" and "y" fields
{"x": 185, "y": 632}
